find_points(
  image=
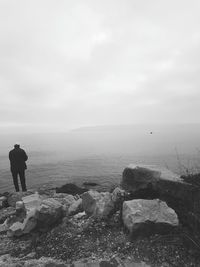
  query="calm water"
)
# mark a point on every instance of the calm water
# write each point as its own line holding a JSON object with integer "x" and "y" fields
{"x": 55, "y": 169}
{"x": 100, "y": 154}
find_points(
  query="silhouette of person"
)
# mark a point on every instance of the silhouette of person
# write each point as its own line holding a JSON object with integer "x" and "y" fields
{"x": 18, "y": 158}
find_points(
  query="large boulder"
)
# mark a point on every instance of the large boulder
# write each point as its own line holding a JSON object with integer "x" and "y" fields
{"x": 150, "y": 182}
{"x": 146, "y": 177}
{"x": 50, "y": 211}
{"x": 142, "y": 216}
{"x": 97, "y": 204}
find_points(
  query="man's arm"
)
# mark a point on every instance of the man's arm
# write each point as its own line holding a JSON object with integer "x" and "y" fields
{"x": 25, "y": 156}
{"x": 9, "y": 155}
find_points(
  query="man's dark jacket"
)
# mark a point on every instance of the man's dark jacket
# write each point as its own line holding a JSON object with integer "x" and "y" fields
{"x": 17, "y": 158}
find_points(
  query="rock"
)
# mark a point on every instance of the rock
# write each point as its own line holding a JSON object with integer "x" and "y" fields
{"x": 97, "y": 204}
{"x": 90, "y": 184}
{"x": 117, "y": 194}
{"x": 49, "y": 210}
{"x": 50, "y": 213}
{"x": 4, "y": 227}
{"x": 31, "y": 255}
{"x": 16, "y": 229}
{"x": 71, "y": 189}
{"x": 5, "y": 213}
{"x": 32, "y": 201}
{"x": 150, "y": 182}
{"x": 141, "y": 177}
{"x": 105, "y": 206}
{"x": 26, "y": 226}
{"x": 75, "y": 207}
{"x": 20, "y": 211}
{"x": 65, "y": 199}
{"x": 3, "y": 202}
{"x": 89, "y": 201}
{"x": 20, "y": 205}
{"x": 16, "y": 196}
{"x": 16, "y": 216}
{"x": 13, "y": 198}
{"x": 79, "y": 215}
{"x": 142, "y": 216}
{"x": 32, "y": 212}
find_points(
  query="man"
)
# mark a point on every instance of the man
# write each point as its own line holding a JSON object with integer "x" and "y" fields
{"x": 18, "y": 159}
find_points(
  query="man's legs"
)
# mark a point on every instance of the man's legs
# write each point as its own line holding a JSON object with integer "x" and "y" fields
{"x": 22, "y": 180}
{"x": 15, "y": 181}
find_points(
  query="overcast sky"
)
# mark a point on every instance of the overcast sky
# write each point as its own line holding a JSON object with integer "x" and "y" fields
{"x": 67, "y": 64}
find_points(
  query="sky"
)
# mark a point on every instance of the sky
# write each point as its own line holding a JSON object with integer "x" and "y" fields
{"x": 67, "y": 64}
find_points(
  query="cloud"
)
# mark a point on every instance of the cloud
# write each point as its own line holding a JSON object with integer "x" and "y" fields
{"x": 79, "y": 63}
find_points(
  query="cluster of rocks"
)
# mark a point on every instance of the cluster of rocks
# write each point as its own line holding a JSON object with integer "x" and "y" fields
{"x": 149, "y": 200}
{"x": 34, "y": 211}
{"x": 40, "y": 212}
{"x": 150, "y": 182}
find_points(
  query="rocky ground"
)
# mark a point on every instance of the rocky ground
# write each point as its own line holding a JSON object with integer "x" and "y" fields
{"x": 82, "y": 238}
{"x": 89, "y": 235}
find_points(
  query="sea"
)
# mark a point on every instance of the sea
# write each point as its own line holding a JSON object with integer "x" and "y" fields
{"x": 104, "y": 170}
{"x": 99, "y": 156}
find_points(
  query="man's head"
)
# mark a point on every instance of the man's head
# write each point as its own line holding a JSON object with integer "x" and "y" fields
{"x": 17, "y": 145}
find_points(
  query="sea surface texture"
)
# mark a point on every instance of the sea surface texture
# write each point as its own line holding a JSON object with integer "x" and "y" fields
{"x": 105, "y": 170}
{"x": 100, "y": 154}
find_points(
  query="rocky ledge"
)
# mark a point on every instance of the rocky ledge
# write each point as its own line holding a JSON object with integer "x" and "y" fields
{"x": 137, "y": 224}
